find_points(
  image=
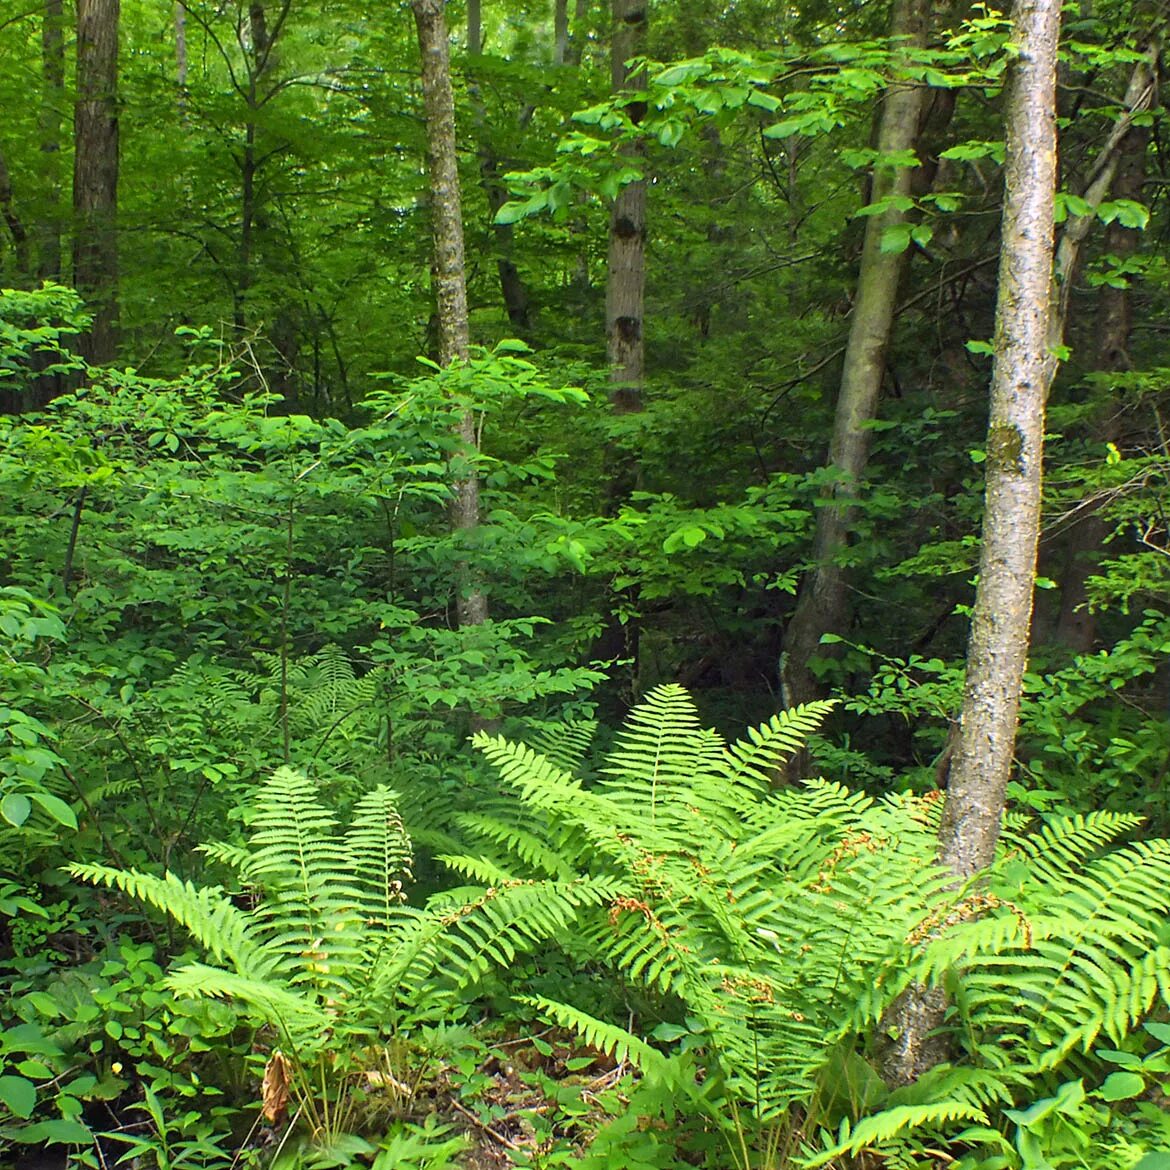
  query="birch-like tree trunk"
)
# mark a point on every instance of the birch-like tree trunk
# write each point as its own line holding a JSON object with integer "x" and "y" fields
{"x": 1035, "y": 278}
{"x": 626, "y": 268}
{"x": 448, "y": 272}
{"x": 95, "y": 173}
{"x": 822, "y": 605}
{"x": 997, "y": 650}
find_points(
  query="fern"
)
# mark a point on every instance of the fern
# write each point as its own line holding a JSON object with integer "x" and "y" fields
{"x": 330, "y": 950}
{"x": 787, "y": 921}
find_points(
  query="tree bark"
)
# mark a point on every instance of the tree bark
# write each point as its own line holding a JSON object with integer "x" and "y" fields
{"x": 12, "y": 220}
{"x": 560, "y": 31}
{"x": 448, "y": 272}
{"x": 1035, "y": 278}
{"x": 1076, "y": 625}
{"x": 52, "y": 103}
{"x": 822, "y": 605}
{"x": 517, "y": 302}
{"x": 95, "y": 173}
{"x": 1024, "y": 369}
{"x": 626, "y": 268}
{"x": 181, "y": 57}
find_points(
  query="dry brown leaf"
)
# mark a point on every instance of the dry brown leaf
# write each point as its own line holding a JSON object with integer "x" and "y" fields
{"x": 274, "y": 1091}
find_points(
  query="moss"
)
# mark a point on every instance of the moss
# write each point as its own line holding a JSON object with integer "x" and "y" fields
{"x": 1005, "y": 448}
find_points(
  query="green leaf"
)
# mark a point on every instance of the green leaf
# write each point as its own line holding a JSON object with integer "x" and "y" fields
{"x": 682, "y": 72}
{"x": 14, "y": 808}
{"x": 1127, "y": 212}
{"x": 18, "y": 1095}
{"x": 1159, "y": 1032}
{"x": 896, "y": 238}
{"x": 58, "y": 1132}
{"x": 1121, "y": 1086}
{"x": 1155, "y": 1160}
{"x": 56, "y": 808}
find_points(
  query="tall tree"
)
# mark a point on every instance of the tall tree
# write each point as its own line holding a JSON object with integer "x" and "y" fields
{"x": 95, "y": 172}
{"x": 449, "y": 272}
{"x": 822, "y": 605}
{"x": 1024, "y": 368}
{"x": 517, "y": 301}
{"x": 12, "y": 219}
{"x": 1076, "y": 625}
{"x": 52, "y": 103}
{"x": 626, "y": 269}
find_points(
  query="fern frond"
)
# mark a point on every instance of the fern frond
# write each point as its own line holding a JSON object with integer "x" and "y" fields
{"x": 883, "y": 1127}
{"x": 614, "y": 1041}
{"x": 293, "y": 1015}
{"x": 378, "y": 856}
{"x": 521, "y": 840}
{"x": 756, "y": 761}
{"x": 207, "y": 913}
{"x": 564, "y": 744}
{"x": 662, "y": 757}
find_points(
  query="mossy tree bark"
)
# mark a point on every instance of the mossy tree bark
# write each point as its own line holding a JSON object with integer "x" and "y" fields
{"x": 1024, "y": 368}
{"x": 1035, "y": 279}
{"x": 822, "y": 605}
{"x": 449, "y": 275}
{"x": 95, "y": 173}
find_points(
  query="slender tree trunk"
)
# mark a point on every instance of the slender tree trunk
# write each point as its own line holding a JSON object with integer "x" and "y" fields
{"x": 517, "y": 302}
{"x": 52, "y": 103}
{"x": 12, "y": 220}
{"x": 95, "y": 173}
{"x": 1076, "y": 625}
{"x": 1031, "y": 307}
{"x": 560, "y": 31}
{"x": 449, "y": 271}
{"x": 822, "y": 606}
{"x": 626, "y": 269}
{"x": 258, "y": 61}
{"x": 181, "y": 56}
{"x": 575, "y": 36}
{"x": 1024, "y": 368}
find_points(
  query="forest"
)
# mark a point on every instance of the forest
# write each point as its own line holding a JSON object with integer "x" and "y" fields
{"x": 584, "y": 584}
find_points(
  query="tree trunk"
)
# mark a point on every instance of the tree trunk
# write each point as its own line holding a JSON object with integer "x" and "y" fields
{"x": 181, "y": 57}
{"x": 517, "y": 302}
{"x": 1076, "y": 625}
{"x": 52, "y": 103}
{"x": 12, "y": 220}
{"x": 822, "y": 606}
{"x": 449, "y": 271}
{"x": 95, "y": 173}
{"x": 575, "y": 36}
{"x": 1032, "y": 302}
{"x": 560, "y": 31}
{"x": 626, "y": 269}
{"x": 1024, "y": 367}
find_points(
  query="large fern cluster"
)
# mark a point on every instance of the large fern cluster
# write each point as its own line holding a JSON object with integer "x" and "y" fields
{"x": 329, "y": 953}
{"x": 788, "y": 920}
{"x": 779, "y": 918}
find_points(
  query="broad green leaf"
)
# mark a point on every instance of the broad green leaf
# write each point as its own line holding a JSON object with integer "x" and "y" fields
{"x": 18, "y": 1095}
{"x": 1121, "y": 1086}
{"x": 56, "y": 808}
{"x": 14, "y": 808}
